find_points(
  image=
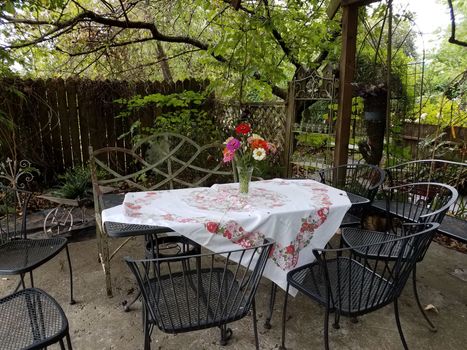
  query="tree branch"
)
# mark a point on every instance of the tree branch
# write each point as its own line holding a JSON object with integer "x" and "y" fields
{"x": 88, "y": 16}
{"x": 453, "y": 39}
{"x": 102, "y": 47}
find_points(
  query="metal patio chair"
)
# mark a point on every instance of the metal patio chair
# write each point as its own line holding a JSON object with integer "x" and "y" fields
{"x": 421, "y": 202}
{"x": 18, "y": 254}
{"x": 360, "y": 181}
{"x": 349, "y": 282}
{"x": 32, "y": 320}
{"x": 183, "y": 294}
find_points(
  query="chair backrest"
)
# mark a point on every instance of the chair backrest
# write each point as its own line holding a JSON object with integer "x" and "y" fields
{"x": 361, "y": 279}
{"x": 161, "y": 161}
{"x": 420, "y": 201}
{"x": 13, "y": 213}
{"x": 362, "y": 179}
{"x": 200, "y": 291}
{"x": 433, "y": 170}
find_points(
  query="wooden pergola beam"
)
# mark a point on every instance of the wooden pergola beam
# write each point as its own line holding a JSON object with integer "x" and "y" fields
{"x": 346, "y": 72}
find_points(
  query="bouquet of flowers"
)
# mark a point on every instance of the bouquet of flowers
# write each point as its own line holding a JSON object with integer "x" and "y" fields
{"x": 246, "y": 147}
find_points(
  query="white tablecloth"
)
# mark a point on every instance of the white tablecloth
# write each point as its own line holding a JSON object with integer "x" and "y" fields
{"x": 298, "y": 214}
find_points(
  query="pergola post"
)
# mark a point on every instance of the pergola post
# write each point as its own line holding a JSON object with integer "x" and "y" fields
{"x": 346, "y": 74}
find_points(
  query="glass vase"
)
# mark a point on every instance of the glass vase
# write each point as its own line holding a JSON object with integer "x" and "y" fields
{"x": 244, "y": 178}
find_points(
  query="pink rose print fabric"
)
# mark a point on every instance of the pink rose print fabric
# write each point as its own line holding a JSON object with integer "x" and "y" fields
{"x": 298, "y": 215}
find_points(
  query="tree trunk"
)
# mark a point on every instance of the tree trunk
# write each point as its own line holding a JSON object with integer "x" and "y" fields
{"x": 167, "y": 74}
{"x": 375, "y": 122}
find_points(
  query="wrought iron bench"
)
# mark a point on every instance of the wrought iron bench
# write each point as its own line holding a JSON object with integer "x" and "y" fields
{"x": 454, "y": 224}
{"x": 161, "y": 161}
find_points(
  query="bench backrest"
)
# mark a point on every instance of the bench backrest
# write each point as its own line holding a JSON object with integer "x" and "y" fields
{"x": 434, "y": 170}
{"x": 161, "y": 161}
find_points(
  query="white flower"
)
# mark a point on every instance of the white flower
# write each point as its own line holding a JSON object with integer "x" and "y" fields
{"x": 259, "y": 153}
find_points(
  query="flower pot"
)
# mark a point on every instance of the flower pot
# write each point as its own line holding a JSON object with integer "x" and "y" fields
{"x": 244, "y": 178}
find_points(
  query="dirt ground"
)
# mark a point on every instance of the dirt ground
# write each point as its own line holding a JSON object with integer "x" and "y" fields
{"x": 98, "y": 322}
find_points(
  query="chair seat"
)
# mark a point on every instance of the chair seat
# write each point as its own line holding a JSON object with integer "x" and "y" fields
{"x": 405, "y": 211}
{"x": 358, "y": 293}
{"x": 223, "y": 300}
{"x": 21, "y": 256}
{"x": 30, "y": 319}
{"x": 355, "y": 237}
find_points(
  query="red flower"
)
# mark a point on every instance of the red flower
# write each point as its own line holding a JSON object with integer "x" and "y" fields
{"x": 212, "y": 226}
{"x": 290, "y": 249}
{"x": 243, "y": 128}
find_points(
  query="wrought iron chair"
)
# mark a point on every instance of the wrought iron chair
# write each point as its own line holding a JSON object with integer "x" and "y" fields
{"x": 420, "y": 202}
{"x": 350, "y": 282}
{"x": 32, "y": 319}
{"x": 183, "y": 294}
{"x": 454, "y": 224}
{"x": 158, "y": 162}
{"x": 18, "y": 254}
{"x": 360, "y": 181}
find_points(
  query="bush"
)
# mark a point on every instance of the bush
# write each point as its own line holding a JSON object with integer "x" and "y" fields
{"x": 74, "y": 184}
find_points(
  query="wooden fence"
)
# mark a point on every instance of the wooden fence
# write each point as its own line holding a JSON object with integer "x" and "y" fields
{"x": 56, "y": 120}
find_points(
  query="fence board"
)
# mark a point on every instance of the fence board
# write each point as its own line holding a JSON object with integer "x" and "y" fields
{"x": 63, "y": 116}
{"x": 84, "y": 105}
{"x": 75, "y": 140}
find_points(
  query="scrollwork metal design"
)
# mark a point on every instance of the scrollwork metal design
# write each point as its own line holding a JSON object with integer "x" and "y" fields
{"x": 315, "y": 87}
{"x": 15, "y": 171}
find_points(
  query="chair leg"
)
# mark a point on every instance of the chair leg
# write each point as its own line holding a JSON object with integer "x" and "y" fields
{"x": 431, "y": 326}
{"x": 226, "y": 334}
{"x": 255, "y": 325}
{"x": 68, "y": 341}
{"x": 284, "y": 315}
{"x": 105, "y": 261}
{"x": 337, "y": 317}
{"x": 147, "y": 333}
{"x": 31, "y": 278}
{"x": 72, "y": 301}
{"x": 272, "y": 301}
{"x": 62, "y": 345}
{"x": 399, "y": 327}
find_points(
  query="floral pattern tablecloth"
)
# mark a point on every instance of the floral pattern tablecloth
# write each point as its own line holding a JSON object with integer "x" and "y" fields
{"x": 298, "y": 214}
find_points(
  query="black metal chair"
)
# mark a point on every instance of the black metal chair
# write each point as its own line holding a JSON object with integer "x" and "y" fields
{"x": 348, "y": 282}
{"x": 183, "y": 294}
{"x": 360, "y": 181}
{"x": 31, "y": 319}
{"x": 421, "y": 202}
{"x": 18, "y": 254}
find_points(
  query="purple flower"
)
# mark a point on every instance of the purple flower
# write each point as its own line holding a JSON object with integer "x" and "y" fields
{"x": 233, "y": 145}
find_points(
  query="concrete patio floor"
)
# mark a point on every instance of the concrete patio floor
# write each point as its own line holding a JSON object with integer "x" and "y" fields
{"x": 98, "y": 322}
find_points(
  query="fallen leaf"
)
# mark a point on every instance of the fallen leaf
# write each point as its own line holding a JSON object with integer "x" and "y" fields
{"x": 431, "y": 307}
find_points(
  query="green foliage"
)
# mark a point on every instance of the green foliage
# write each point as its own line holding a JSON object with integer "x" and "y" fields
{"x": 74, "y": 184}
{"x": 440, "y": 111}
{"x": 314, "y": 140}
{"x": 182, "y": 113}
